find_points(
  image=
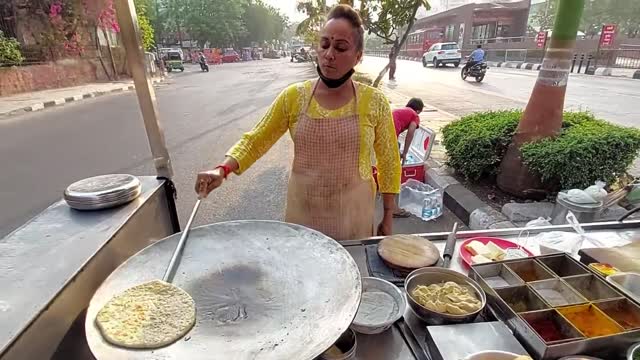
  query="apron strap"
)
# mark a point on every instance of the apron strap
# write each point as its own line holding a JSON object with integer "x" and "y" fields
{"x": 313, "y": 91}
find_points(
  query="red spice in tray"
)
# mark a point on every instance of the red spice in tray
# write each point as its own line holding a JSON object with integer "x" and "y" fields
{"x": 547, "y": 329}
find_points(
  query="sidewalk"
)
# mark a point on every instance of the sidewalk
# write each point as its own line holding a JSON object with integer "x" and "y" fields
{"x": 461, "y": 204}
{"x": 38, "y": 100}
{"x": 599, "y": 71}
{"x": 527, "y": 66}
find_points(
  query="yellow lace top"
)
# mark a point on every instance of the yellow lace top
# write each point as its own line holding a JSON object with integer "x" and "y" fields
{"x": 376, "y": 128}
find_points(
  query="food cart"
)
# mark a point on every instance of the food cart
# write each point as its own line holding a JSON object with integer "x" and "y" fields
{"x": 52, "y": 266}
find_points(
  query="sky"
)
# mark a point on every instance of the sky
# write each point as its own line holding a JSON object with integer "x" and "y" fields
{"x": 287, "y": 7}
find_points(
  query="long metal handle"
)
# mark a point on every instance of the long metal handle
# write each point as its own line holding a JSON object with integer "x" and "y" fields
{"x": 449, "y": 246}
{"x": 177, "y": 253}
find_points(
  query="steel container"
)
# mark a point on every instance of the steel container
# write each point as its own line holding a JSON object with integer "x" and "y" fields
{"x": 428, "y": 276}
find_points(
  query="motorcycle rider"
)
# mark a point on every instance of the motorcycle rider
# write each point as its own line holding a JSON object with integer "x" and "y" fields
{"x": 202, "y": 60}
{"x": 476, "y": 57}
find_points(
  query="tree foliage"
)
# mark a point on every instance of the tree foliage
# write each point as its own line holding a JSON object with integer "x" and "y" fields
{"x": 146, "y": 30}
{"x": 624, "y": 13}
{"x": 217, "y": 22}
{"x": 546, "y": 15}
{"x": 221, "y": 23}
{"x": 385, "y": 18}
{"x": 289, "y": 32}
{"x": 390, "y": 20}
{"x": 9, "y": 51}
{"x": 263, "y": 22}
{"x": 373, "y": 42}
{"x": 316, "y": 11}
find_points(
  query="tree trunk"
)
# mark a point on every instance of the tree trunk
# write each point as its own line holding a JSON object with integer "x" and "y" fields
{"x": 377, "y": 81}
{"x": 113, "y": 62}
{"x": 99, "y": 50}
{"x": 542, "y": 117}
{"x": 397, "y": 45}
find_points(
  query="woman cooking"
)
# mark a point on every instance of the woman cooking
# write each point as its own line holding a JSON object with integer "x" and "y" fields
{"x": 336, "y": 126}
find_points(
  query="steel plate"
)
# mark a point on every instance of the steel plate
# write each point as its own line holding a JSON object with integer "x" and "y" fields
{"x": 263, "y": 290}
{"x": 102, "y": 185}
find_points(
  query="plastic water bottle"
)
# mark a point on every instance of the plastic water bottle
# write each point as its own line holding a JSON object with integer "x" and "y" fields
{"x": 410, "y": 159}
{"x": 427, "y": 210}
{"x": 438, "y": 206}
{"x": 434, "y": 205}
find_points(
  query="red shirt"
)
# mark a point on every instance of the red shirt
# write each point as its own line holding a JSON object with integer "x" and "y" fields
{"x": 402, "y": 117}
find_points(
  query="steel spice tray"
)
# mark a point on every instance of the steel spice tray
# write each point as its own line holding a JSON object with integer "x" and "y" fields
{"x": 557, "y": 307}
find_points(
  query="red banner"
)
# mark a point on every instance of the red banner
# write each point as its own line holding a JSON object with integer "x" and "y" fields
{"x": 607, "y": 35}
{"x": 541, "y": 39}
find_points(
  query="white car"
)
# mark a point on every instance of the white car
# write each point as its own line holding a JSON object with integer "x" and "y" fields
{"x": 441, "y": 54}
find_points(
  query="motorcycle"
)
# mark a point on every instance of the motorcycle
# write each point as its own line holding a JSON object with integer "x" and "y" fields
{"x": 299, "y": 58}
{"x": 204, "y": 66}
{"x": 478, "y": 71}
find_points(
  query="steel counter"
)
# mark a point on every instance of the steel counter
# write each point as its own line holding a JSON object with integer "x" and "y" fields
{"x": 397, "y": 344}
{"x": 51, "y": 266}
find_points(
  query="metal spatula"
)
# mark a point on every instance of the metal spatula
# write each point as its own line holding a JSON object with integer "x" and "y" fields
{"x": 177, "y": 253}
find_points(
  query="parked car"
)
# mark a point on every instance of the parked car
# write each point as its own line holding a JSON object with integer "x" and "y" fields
{"x": 230, "y": 55}
{"x": 442, "y": 54}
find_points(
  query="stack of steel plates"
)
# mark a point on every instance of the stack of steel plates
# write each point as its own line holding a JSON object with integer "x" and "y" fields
{"x": 101, "y": 192}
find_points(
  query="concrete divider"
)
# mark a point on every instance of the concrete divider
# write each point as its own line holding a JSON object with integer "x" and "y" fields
{"x": 603, "y": 72}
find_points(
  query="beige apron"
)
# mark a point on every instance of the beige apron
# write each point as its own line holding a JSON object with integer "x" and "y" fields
{"x": 326, "y": 192}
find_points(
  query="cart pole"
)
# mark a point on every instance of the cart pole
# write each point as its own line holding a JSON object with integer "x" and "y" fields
{"x": 128, "y": 20}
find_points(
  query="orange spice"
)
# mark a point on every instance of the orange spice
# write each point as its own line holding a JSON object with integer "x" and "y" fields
{"x": 590, "y": 321}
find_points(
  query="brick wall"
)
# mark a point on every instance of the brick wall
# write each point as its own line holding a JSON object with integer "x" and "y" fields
{"x": 63, "y": 73}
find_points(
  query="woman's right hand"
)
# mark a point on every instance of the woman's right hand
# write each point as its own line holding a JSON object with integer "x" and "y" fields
{"x": 209, "y": 180}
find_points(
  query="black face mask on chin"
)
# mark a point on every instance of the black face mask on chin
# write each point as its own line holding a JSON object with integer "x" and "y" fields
{"x": 334, "y": 83}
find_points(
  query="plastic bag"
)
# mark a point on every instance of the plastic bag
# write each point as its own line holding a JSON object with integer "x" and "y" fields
{"x": 558, "y": 241}
{"x": 597, "y": 191}
{"x": 577, "y": 196}
{"x": 421, "y": 200}
{"x": 539, "y": 222}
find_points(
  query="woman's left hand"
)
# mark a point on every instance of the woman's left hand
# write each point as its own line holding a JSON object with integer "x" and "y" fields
{"x": 386, "y": 227}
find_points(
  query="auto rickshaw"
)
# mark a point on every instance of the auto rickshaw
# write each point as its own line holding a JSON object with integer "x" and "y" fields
{"x": 173, "y": 61}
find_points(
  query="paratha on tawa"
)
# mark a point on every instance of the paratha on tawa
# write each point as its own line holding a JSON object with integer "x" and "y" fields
{"x": 147, "y": 316}
{"x": 408, "y": 251}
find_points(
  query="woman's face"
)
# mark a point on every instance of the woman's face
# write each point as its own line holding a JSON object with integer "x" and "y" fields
{"x": 337, "y": 53}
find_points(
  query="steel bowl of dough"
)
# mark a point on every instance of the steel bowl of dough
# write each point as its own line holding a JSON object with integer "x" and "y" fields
{"x": 441, "y": 296}
{"x": 381, "y": 305}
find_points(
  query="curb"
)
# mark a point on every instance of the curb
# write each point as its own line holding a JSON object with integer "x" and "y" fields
{"x": 468, "y": 207}
{"x": 600, "y": 71}
{"x": 61, "y": 101}
{"x": 515, "y": 65}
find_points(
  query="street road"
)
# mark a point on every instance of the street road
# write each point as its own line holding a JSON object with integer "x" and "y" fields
{"x": 612, "y": 99}
{"x": 203, "y": 114}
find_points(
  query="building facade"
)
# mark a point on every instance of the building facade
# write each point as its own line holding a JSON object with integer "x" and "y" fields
{"x": 469, "y": 25}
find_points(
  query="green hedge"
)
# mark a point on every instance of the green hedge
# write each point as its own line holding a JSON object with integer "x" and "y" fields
{"x": 476, "y": 143}
{"x": 586, "y": 150}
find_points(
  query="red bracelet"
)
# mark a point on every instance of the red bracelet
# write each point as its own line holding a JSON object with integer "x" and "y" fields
{"x": 226, "y": 170}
